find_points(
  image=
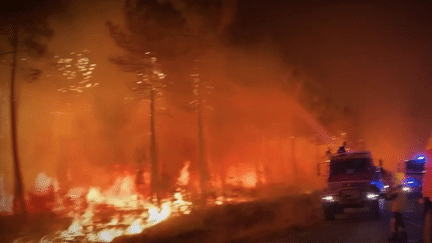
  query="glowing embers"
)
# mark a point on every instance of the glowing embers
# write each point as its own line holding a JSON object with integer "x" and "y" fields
{"x": 77, "y": 70}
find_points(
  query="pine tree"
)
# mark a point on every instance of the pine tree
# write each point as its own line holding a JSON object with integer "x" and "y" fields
{"x": 24, "y": 23}
{"x": 200, "y": 90}
{"x": 141, "y": 59}
{"x": 207, "y": 22}
{"x": 180, "y": 33}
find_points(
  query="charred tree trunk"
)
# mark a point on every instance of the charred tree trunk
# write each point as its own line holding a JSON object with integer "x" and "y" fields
{"x": 18, "y": 202}
{"x": 294, "y": 164}
{"x": 281, "y": 159}
{"x": 153, "y": 152}
{"x": 258, "y": 162}
{"x": 201, "y": 145}
{"x": 223, "y": 177}
{"x": 199, "y": 101}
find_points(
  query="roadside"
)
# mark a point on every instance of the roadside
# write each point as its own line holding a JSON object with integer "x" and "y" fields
{"x": 357, "y": 227}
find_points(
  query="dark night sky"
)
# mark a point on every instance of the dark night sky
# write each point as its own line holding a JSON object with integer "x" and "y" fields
{"x": 373, "y": 57}
{"x": 320, "y": 37}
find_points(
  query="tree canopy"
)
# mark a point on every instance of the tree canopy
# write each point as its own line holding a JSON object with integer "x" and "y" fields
{"x": 31, "y": 17}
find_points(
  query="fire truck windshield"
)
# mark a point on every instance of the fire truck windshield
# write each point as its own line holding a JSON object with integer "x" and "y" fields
{"x": 414, "y": 166}
{"x": 349, "y": 166}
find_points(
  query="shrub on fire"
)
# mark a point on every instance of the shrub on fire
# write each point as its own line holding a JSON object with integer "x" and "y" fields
{"x": 42, "y": 198}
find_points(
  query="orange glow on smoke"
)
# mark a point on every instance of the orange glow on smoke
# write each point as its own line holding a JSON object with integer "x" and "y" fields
{"x": 249, "y": 179}
{"x": 244, "y": 176}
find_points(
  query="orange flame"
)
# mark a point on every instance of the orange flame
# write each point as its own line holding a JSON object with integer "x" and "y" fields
{"x": 180, "y": 205}
{"x": 108, "y": 235}
{"x": 156, "y": 216}
{"x": 43, "y": 183}
{"x": 135, "y": 228}
{"x": 122, "y": 194}
{"x": 183, "y": 179}
{"x": 242, "y": 176}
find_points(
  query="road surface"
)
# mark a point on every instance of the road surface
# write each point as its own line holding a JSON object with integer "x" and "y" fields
{"x": 359, "y": 227}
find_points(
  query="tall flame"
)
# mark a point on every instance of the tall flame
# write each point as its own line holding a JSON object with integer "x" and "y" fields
{"x": 183, "y": 179}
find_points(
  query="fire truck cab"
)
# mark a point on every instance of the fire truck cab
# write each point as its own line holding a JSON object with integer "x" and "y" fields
{"x": 414, "y": 171}
{"x": 353, "y": 182}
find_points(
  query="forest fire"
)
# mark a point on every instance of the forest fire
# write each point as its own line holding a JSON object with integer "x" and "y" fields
{"x": 88, "y": 227}
{"x": 103, "y": 215}
{"x": 131, "y": 117}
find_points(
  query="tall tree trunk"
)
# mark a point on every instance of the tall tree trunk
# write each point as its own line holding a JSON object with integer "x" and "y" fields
{"x": 294, "y": 164}
{"x": 281, "y": 159}
{"x": 223, "y": 176}
{"x": 229, "y": 8}
{"x": 153, "y": 151}
{"x": 259, "y": 161}
{"x": 18, "y": 202}
{"x": 201, "y": 146}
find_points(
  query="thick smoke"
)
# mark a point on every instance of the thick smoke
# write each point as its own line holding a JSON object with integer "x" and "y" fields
{"x": 370, "y": 57}
{"x": 363, "y": 60}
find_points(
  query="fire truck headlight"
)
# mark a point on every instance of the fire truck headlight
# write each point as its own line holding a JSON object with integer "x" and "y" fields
{"x": 372, "y": 196}
{"x": 328, "y": 199}
{"x": 406, "y": 189}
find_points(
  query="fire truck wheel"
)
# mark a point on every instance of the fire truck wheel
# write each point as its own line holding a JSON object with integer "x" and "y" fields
{"x": 329, "y": 212}
{"x": 427, "y": 228}
{"x": 375, "y": 210}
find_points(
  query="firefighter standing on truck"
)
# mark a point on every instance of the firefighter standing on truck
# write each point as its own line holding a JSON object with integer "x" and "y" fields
{"x": 397, "y": 197}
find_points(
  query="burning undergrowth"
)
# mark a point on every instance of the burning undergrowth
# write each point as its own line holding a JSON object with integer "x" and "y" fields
{"x": 97, "y": 214}
{"x": 102, "y": 215}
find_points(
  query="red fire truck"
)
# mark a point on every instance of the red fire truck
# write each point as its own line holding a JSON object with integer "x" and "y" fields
{"x": 353, "y": 182}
